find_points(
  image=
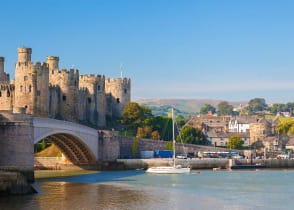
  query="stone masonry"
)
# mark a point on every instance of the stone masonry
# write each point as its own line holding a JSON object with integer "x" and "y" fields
{"x": 45, "y": 90}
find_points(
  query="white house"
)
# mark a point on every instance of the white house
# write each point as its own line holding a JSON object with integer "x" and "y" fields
{"x": 240, "y": 124}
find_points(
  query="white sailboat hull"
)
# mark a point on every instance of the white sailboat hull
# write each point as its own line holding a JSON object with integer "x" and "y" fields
{"x": 175, "y": 169}
{"x": 168, "y": 170}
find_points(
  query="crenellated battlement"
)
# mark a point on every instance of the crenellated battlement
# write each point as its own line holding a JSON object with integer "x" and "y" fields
{"x": 119, "y": 80}
{"x": 71, "y": 97}
{"x": 92, "y": 78}
{"x": 40, "y": 65}
{"x": 24, "y": 54}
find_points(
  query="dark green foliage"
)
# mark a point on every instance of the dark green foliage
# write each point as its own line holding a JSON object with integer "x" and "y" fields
{"x": 224, "y": 108}
{"x": 191, "y": 135}
{"x": 134, "y": 115}
{"x": 256, "y": 105}
{"x": 41, "y": 146}
{"x": 277, "y": 107}
{"x": 207, "y": 108}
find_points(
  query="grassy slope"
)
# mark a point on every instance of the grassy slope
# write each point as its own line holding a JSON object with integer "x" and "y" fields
{"x": 51, "y": 151}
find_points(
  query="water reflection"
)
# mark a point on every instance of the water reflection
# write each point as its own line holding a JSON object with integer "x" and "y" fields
{"x": 64, "y": 195}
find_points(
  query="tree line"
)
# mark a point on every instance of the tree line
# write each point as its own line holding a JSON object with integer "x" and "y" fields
{"x": 255, "y": 106}
{"x": 139, "y": 121}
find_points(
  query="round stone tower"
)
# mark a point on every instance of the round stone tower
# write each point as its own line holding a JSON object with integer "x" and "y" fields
{"x": 24, "y": 54}
{"x": 2, "y": 74}
{"x": 53, "y": 62}
{"x": 120, "y": 92}
{"x": 25, "y": 82}
{"x": 53, "y": 65}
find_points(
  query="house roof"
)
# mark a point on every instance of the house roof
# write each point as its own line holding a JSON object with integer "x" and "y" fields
{"x": 245, "y": 119}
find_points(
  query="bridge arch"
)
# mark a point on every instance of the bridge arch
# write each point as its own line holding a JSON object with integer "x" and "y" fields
{"x": 77, "y": 142}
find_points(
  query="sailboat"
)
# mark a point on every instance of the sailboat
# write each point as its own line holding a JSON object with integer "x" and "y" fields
{"x": 175, "y": 169}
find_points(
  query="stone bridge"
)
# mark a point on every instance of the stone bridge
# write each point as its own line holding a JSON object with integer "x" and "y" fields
{"x": 19, "y": 133}
{"x": 79, "y": 143}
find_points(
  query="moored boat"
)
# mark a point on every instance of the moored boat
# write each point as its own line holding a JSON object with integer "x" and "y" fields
{"x": 175, "y": 169}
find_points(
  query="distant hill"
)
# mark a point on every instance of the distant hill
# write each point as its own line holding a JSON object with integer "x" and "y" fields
{"x": 183, "y": 106}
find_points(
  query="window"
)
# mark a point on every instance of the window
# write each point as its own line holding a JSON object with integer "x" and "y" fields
{"x": 125, "y": 90}
{"x": 8, "y": 94}
{"x": 38, "y": 93}
{"x": 0, "y": 94}
{"x": 64, "y": 97}
{"x": 52, "y": 72}
{"x": 89, "y": 100}
{"x": 30, "y": 88}
{"x": 98, "y": 87}
{"x": 20, "y": 89}
{"x": 117, "y": 100}
{"x": 25, "y": 78}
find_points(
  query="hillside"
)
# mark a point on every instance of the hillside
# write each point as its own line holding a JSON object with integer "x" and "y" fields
{"x": 183, "y": 106}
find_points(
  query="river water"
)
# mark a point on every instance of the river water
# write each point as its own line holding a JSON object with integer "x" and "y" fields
{"x": 264, "y": 189}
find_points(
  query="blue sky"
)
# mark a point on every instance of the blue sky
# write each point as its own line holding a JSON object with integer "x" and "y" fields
{"x": 224, "y": 49}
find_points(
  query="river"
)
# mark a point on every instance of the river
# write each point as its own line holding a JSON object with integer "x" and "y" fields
{"x": 237, "y": 190}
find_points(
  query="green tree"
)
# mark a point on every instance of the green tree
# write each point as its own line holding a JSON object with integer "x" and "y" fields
{"x": 163, "y": 125}
{"x": 275, "y": 108}
{"x": 180, "y": 120}
{"x": 256, "y": 105}
{"x": 191, "y": 135}
{"x": 290, "y": 107}
{"x": 207, "y": 108}
{"x": 135, "y": 115}
{"x": 235, "y": 142}
{"x": 224, "y": 108}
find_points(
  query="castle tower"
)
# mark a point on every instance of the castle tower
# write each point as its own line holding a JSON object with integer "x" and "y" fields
{"x": 53, "y": 62}
{"x": 42, "y": 89}
{"x": 3, "y": 76}
{"x": 24, "y": 54}
{"x": 31, "y": 85}
{"x": 68, "y": 100}
{"x": 119, "y": 94}
{"x": 92, "y": 104}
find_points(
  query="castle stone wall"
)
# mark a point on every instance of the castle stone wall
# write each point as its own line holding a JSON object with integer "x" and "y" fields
{"x": 41, "y": 89}
{"x": 6, "y": 96}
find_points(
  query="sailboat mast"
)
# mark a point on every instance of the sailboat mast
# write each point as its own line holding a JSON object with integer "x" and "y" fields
{"x": 174, "y": 141}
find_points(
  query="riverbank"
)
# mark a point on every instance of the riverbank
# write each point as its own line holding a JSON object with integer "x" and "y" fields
{"x": 204, "y": 163}
{"x": 45, "y": 174}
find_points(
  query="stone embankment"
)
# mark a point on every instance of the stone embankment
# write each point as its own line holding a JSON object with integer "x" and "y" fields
{"x": 14, "y": 183}
{"x": 204, "y": 163}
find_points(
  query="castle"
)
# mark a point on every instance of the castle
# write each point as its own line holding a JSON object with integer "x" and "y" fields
{"x": 42, "y": 89}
